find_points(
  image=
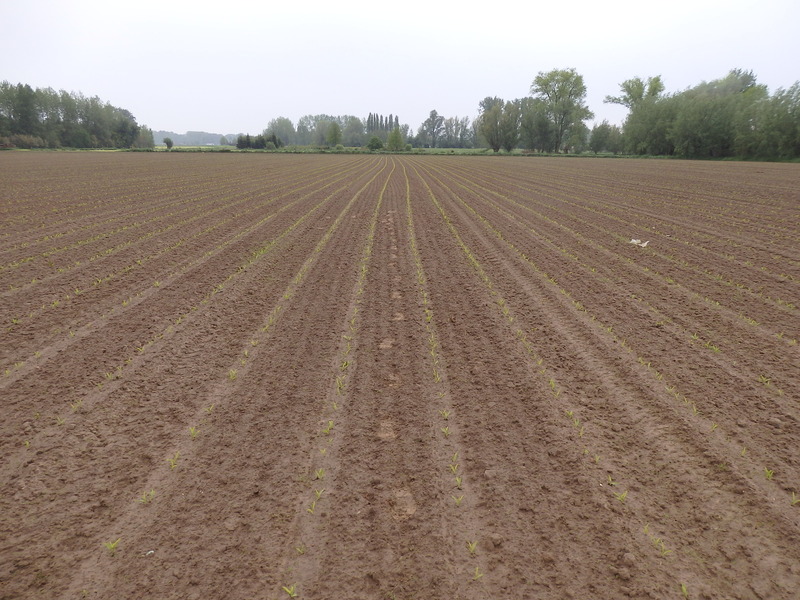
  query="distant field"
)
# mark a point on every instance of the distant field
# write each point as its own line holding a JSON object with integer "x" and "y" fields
{"x": 354, "y": 376}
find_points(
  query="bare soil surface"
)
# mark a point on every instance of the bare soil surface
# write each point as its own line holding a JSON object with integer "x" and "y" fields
{"x": 330, "y": 376}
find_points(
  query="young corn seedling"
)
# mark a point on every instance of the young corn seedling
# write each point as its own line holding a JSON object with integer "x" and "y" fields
{"x": 621, "y": 497}
{"x": 319, "y": 474}
{"x": 318, "y": 493}
{"x": 232, "y": 374}
{"x": 458, "y": 499}
{"x": 112, "y": 546}
{"x": 454, "y": 469}
{"x": 445, "y": 414}
{"x": 312, "y": 507}
{"x": 173, "y": 462}
{"x": 459, "y": 481}
{"x": 684, "y": 590}
{"x": 291, "y": 590}
{"x": 327, "y": 430}
{"x": 768, "y": 473}
{"x": 147, "y": 497}
{"x": 477, "y": 575}
{"x": 446, "y": 431}
{"x": 193, "y": 431}
{"x": 472, "y": 546}
{"x": 795, "y": 499}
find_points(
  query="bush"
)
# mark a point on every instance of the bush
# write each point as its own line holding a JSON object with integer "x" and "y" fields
{"x": 27, "y": 141}
{"x": 375, "y": 143}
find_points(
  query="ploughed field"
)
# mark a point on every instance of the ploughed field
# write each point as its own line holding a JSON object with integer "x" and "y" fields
{"x": 330, "y": 376}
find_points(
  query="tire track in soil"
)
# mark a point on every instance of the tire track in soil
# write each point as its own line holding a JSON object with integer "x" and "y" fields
{"x": 173, "y": 294}
{"x": 250, "y": 452}
{"x": 524, "y": 461}
{"x": 122, "y": 285}
{"x": 689, "y": 501}
{"x": 301, "y": 563}
{"x": 129, "y": 413}
{"x": 733, "y": 370}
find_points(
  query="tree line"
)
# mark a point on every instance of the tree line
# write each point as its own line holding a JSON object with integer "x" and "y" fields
{"x": 733, "y": 116}
{"x": 45, "y": 118}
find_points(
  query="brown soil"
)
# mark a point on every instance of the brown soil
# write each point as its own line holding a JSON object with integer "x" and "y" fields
{"x": 398, "y": 377}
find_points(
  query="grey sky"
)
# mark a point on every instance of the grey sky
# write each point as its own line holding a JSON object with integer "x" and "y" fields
{"x": 230, "y": 66}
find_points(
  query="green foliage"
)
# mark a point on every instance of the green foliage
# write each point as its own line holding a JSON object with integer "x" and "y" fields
{"x": 334, "y": 134}
{"x": 728, "y": 117}
{"x": 395, "y": 141}
{"x": 54, "y": 119}
{"x": 564, "y": 96}
{"x": 168, "y": 143}
{"x": 375, "y": 143}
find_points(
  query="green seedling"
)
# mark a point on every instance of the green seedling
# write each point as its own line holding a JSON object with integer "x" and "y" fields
{"x": 76, "y": 405}
{"x": 611, "y": 481}
{"x": 445, "y": 414}
{"x": 232, "y": 374}
{"x": 173, "y": 462}
{"x": 768, "y": 473}
{"x": 621, "y": 497}
{"x": 291, "y": 590}
{"x": 112, "y": 546}
{"x": 684, "y": 590}
{"x": 446, "y": 431}
{"x": 795, "y": 499}
{"x": 455, "y": 457}
{"x": 454, "y": 468}
{"x": 477, "y": 574}
{"x": 319, "y": 474}
{"x": 459, "y": 480}
{"x": 472, "y": 547}
{"x": 208, "y": 409}
{"x": 27, "y": 443}
{"x": 312, "y": 507}
{"x": 318, "y": 493}
{"x": 301, "y": 549}
{"x": 764, "y": 379}
{"x": 193, "y": 431}
{"x": 60, "y": 421}
{"x": 714, "y": 426}
{"x": 458, "y": 499}
{"x": 744, "y": 451}
{"x": 326, "y": 430}
{"x": 147, "y": 497}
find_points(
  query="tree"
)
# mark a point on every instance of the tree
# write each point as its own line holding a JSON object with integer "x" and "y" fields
{"x": 635, "y": 90}
{"x": 536, "y": 130}
{"x": 168, "y": 142}
{"x": 334, "y": 134}
{"x": 282, "y": 128}
{"x": 375, "y": 143}
{"x": 564, "y": 95}
{"x": 432, "y": 126}
{"x": 509, "y": 125}
{"x": 489, "y": 121}
{"x": 395, "y": 141}
{"x": 223, "y": 141}
{"x": 353, "y": 132}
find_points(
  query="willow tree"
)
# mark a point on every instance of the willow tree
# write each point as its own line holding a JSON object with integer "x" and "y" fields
{"x": 564, "y": 96}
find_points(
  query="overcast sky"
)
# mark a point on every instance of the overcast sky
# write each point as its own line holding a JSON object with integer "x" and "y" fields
{"x": 229, "y": 66}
